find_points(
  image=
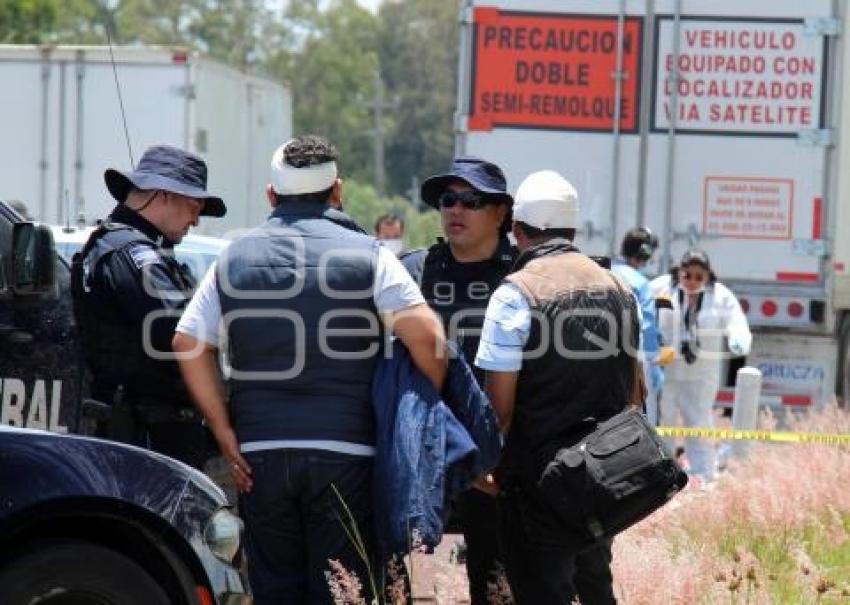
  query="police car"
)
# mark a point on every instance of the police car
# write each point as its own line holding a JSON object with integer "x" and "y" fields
{"x": 93, "y": 522}
{"x": 84, "y": 520}
{"x": 196, "y": 252}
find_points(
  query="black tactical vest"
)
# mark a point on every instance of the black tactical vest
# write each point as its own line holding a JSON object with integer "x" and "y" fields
{"x": 460, "y": 292}
{"x": 113, "y": 345}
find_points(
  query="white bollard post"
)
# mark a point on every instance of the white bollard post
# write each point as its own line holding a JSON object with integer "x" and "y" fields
{"x": 746, "y": 407}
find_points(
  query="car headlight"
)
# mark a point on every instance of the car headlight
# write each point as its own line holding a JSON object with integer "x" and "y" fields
{"x": 222, "y": 534}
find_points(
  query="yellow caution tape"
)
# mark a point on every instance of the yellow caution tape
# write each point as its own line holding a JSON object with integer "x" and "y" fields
{"x": 784, "y": 437}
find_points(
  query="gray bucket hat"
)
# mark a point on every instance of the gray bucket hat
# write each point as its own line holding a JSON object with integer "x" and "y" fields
{"x": 169, "y": 169}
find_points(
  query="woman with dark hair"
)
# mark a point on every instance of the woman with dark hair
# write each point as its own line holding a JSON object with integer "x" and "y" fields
{"x": 703, "y": 313}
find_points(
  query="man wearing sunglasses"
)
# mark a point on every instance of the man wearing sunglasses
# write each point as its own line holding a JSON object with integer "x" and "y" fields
{"x": 457, "y": 275}
{"x": 129, "y": 292}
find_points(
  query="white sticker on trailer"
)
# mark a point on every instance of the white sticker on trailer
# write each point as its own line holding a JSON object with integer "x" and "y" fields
{"x": 748, "y": 76}
{"x": 748, "y": 207}
{"x": 798, "y": 369}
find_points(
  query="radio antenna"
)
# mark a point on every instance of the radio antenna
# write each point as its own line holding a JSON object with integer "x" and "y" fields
{"x": 107, "y": 23}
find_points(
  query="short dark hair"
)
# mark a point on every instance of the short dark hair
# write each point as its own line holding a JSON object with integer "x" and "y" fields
{"x": 535, "y": 233}
{"x": 309, "y": 150}
{"x": 389, "y": 218}
{"x": 639, "y": 243}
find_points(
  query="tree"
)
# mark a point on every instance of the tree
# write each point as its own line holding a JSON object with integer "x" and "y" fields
{"x": 330, "y": 66}
{"x": 233, "y": 31}
{"x": 419, "y": 55}
{"x": 364, "y": 206}
{"x": 163, "y": 22}
{"x": 329, "y": 52}
{"x": 28, "y": 21}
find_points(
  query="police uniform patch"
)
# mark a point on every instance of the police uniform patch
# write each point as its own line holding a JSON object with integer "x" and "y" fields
{"x": 143, "y": 255}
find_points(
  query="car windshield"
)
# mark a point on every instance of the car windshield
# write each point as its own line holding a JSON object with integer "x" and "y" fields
{"x": 195, "y": 252}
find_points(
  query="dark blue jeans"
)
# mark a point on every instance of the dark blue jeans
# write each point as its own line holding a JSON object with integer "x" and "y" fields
{"x": 479, "y": 514}
{"x": 542, "y": 565}
{"x": 293, "y": 522}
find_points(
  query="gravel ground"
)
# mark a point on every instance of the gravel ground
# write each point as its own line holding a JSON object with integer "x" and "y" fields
{"x": 437, "y": 578}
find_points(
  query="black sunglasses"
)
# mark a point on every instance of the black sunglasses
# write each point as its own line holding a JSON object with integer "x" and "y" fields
{"x": 471, "y": 200}
{"x": 694, "y": 276}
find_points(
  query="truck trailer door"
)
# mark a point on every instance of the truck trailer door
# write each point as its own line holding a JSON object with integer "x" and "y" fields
{"x": 746, "y": 99}
{"x": 541, "y": 90}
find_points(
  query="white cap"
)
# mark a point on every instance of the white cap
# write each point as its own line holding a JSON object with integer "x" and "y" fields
{"x": 289, "y": 180}
{"x": 546, "y": 200}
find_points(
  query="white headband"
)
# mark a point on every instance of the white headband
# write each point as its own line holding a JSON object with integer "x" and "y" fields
{"x": 289, "y": 180}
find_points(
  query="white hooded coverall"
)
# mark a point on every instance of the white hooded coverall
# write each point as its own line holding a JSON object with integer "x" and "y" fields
{"x": 690, "y": 389}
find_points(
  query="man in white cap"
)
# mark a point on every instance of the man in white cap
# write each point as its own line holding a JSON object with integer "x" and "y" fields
{"x": 301, "y": 299}
{"x": 543, "y": 347}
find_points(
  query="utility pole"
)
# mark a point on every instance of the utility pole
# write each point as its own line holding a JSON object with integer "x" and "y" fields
{"x": 413, "y": 192}
{"x": 378, "y": 105}
{"x": 380, "y": 174}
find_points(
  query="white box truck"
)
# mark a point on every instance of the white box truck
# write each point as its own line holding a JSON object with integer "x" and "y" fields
{"x": 717, "y": 124}
{"x": 61, "y": 126}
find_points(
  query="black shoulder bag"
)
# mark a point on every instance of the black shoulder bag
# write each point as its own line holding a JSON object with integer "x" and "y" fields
{"x": 616, "y": 475}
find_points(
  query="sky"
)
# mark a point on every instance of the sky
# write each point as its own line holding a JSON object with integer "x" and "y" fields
{"x": 372, "y": 5}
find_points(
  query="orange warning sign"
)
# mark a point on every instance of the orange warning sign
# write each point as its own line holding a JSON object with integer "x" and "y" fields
{"x": 553, "y": 71}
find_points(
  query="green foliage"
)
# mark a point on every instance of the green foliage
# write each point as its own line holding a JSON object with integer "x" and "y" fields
{"x": 233, "y": 31}
{"x": 83, "y": 22}
{"x": 331, "y": 70}
{"x": 28, "y": 21}
{"x": 329, "y": 52}
{"x": 154, "y": 21}
{"x": 332, "y": 66}
{"x": 364, "y": 206}
{"x": 419, "y": 55}
{"x": 790, "y": 565}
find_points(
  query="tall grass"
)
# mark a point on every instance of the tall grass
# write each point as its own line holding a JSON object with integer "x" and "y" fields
{"x": 774, "y": 529}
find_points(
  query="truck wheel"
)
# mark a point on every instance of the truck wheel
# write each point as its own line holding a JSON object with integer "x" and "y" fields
{"x": 78, "y": 573}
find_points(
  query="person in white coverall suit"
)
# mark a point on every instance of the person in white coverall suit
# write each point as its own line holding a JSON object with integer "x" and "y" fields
{"x": 703, "y": 314}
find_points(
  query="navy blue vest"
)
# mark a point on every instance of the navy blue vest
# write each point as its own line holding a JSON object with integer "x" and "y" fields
{"x": 304, "y": 335}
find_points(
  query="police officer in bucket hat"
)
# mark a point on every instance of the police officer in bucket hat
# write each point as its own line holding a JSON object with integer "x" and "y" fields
{"x": 129, "y": 292}
{"x": 457, "y": 275}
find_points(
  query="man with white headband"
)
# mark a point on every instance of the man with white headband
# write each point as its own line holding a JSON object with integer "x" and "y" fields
{"x": 301, "y": 299}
